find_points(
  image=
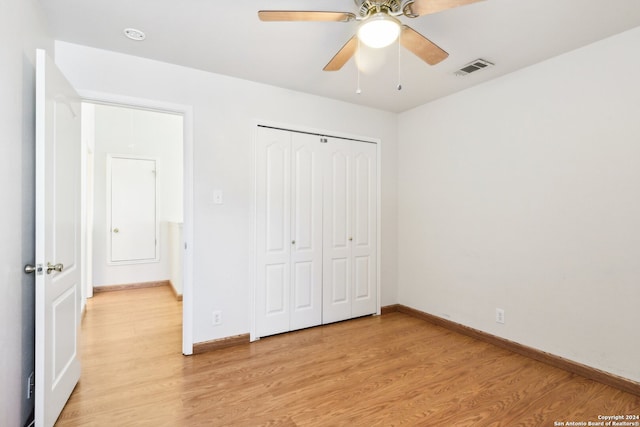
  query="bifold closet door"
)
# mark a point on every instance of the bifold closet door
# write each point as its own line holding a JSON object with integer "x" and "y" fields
{"x": 288, "y": 231}
{"x": 273, "y": 231}
{"x": 349, "y": 230}
{"x": 306, "y": 231}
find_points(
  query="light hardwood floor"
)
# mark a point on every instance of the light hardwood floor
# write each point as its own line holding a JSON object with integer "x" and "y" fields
{"x": 376, "y": 371}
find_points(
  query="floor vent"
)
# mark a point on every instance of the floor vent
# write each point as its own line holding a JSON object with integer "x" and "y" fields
{"x": 472, "y": 67}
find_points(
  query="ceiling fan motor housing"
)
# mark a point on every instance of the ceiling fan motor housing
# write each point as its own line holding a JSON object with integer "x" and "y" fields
{"x": 368, "y": 7}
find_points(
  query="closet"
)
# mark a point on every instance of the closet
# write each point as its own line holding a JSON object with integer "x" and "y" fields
{"x": 316, "y": 230}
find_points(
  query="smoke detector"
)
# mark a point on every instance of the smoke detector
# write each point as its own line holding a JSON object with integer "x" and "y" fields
{"x": 472, "y": 67}
{"x": 134, "y": 34}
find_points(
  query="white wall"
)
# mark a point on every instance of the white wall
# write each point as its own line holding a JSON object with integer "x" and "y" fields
{"x": 22, "y": 30}
{"x": 524, "y": 193}
{"x": 138, "y": 133}
{"x": 225, "y": 113}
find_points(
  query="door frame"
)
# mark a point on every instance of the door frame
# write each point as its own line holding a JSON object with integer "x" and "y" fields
{"x": 254, "y": 214}
{"x": 187, "y": 140}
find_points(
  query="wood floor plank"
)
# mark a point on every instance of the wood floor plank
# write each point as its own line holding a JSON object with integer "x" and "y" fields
{"x": 391, "y": 370}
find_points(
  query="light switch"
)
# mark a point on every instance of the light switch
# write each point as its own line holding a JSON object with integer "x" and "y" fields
{"x": 217, "y": 197}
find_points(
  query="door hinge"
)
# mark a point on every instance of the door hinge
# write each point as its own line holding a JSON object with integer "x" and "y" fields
{"x": 31, "y": 385}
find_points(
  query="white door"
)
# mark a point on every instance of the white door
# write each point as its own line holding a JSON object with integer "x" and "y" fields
{"x": 306, "y": 231}
{"x": 364, "y": 229}
{"x": 273, "y": 231}
{"x": 58, "y": 293}
{"x": 349, "y": 230}
{"x": 133, "y": 211}
{"x": 288, "y": 231}
{"x": 338, "y": 206}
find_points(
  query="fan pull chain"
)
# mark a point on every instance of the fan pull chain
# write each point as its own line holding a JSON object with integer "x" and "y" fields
{"x": 399, "y": 87}
{"x": 358, "y": 90}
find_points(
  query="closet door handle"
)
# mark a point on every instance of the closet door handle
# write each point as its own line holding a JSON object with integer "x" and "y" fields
{"x": 293, "y": 242}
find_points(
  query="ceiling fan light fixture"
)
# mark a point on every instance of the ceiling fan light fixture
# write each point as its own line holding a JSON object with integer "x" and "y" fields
{"x": 379, "y": 30}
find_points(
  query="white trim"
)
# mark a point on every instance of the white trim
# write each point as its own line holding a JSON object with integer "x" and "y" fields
{"x": 187, "y": 113}
{"x": 187, "y": 275}
{"x": 129, "y": 101}
{"x": 306, "y": 129}
{"x": 324, "y": 132}
{"x": 379, "y": 223}
{"x": 84, "y": 151}
{"x": 88, "y": 177}
{"x": 252, "y": 274}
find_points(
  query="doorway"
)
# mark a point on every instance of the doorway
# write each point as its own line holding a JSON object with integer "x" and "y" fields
{"x": 115, "y": 130}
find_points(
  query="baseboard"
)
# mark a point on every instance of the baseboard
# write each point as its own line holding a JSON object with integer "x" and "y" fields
{"x": 126, "y": 286}
{"x": 389, "y": 309}
{"x": 203, "y": 347}
{"x": 585, "y": 371}
{"x": 175, "y": 292}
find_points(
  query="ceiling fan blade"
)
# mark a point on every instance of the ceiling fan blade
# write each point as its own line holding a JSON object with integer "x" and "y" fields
{"x": 425, "y": 7}
{"x": 343, "y": 55}
{"x": 421, "y": 46}
{"x": 301, "y": 15}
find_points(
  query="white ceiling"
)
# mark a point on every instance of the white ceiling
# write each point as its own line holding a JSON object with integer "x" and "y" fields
{"x": 227, "y": 38}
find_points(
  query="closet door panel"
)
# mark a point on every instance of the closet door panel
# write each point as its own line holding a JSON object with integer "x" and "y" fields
{"x": 277, "y": 200}
{"x": 337, "y": 266}
{"x": 362, "y": 280}
{"x": 276, "y": 286}
{"x": 273, "y": 231}
{"x": 302, "y": 280}
{"x": 364, "y": 248}
{"x": 306, "y": 231}
{"x": 339, "y": 281}
{"x": 338, "y": 196}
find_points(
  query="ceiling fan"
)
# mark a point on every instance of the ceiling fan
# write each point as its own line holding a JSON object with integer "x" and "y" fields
{"x": 379, "y": 26}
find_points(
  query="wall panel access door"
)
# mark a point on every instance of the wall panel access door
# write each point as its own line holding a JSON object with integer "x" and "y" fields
{"x": 132, "y": 210}
{"x": 288, "y": 231}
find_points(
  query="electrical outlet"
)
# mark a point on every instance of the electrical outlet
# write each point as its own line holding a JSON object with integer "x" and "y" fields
{"x": 499, "y": 315}
{"x": 30, "y": 385}
{"x": 217, "y": 318}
